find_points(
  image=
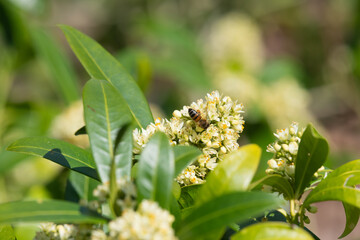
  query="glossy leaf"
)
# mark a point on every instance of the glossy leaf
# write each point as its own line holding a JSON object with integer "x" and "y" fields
{"x": 59, "y": 67}
{"x": 156, "y": 171}
{"x": 234, "y": 173}
{"x": 7, "y": 232}
{"x": 352, "y": 217}
{"x": 60, "y": 152}
{"x": 101, "y": 65}
{"x": 184, "y": 155}
{"x": 340, "y": 185}
{"x": 123, "y": 153}
{"x": 312, "y": 154}
{"x": 223, "y": 210}
{"x": 47, "y": 211}
{"x": 281, "y": 184}
{"x": 105, "y": 114}
{"x": 272, "y": 231}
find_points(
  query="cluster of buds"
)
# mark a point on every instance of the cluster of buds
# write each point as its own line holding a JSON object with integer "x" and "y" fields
{"x": 215, "y": 130}
{"x": 126, "y": 190}
{"x": 285, "y": 150}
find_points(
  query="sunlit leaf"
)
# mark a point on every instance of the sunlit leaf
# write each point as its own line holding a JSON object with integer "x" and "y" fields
{"x": 105, "y": 114}
{"x": 47, "y": 211}
{"x": 223, "y": 210}
{"x": 272, "y": 231}
{"x": 312, "y": 154}
{"x": 60, "y": 152}
{"x": 101, "y": 65}
{"x": 156, "y": 171}
{"x": 232, "y": 174}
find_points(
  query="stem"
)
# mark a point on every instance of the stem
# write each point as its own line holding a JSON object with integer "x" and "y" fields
{"x": 292, "y": 210}
{"x": 301, "y": 216}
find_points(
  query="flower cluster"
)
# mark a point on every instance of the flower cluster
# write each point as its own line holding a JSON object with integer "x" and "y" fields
{"x": 148, "y": 222}
{"x": 285, "y": 150}
{"x": 126, "y": 191}
{"x": 51, "y": 231}
{"x": 220, "y": 137}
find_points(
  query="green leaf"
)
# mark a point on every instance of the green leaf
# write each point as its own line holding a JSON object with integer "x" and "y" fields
{"x": 47, "y": 211}
{"x": 234, "y": 173}
{"x": 224, "y": 210}
{"x": 352, "y": 217}
{"x": 81, "y": 131}
{"x": 59, "y": 67}
{"x": 278, "y": 182}
{"x": 101, "y": 65}
{"x": 188, "y": 195}
{"x": 7, "y": 232}
{"x": 60, "y": 152}
{"x": 156, "y": 171}
{"x": 121, "y": 166}
{"x": 123, "y": 153}
{"x": 272, "y": 231}
{"x": 184, "y": 155}
{"x": 340, "y": 185}
{"x": 312, "y": 154}
{"x": 82, "y": 185}
{"x": 105, "y": 113}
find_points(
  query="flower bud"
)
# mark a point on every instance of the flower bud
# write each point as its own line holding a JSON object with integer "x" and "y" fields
{"x": 277, "y": 147}
{"x": 306, "y": 219}
{"x": 177, "y": 114}
{"x": 290, "y": 169}
{"x": 312, "y": 209}
{"x": 269, "y": 171}
{"x": 272, "y": 164}
{"x": 293, "y": 148}
{"x": 285, "y": 147}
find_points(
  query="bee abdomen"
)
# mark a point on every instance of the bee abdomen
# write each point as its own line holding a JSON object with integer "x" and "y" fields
{"x": 194, "y": 115}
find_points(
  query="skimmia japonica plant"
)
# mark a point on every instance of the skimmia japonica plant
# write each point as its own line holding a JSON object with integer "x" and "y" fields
{"x": 179, "y": 178}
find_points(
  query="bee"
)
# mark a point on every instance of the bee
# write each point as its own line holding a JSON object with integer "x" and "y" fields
{"x": 196, "y": 116}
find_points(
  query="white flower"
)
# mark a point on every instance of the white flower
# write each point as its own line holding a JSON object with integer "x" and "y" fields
{"x": 148, "y": 222}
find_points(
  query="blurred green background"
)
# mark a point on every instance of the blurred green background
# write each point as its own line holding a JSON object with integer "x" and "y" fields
{"x": 286, "y": 60}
